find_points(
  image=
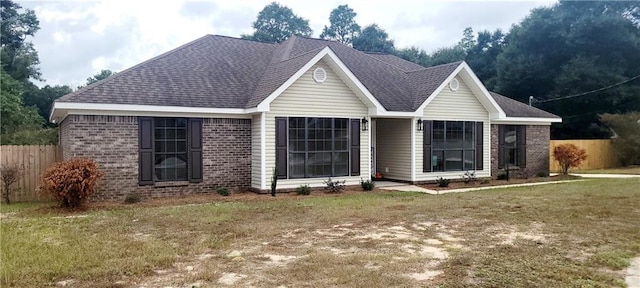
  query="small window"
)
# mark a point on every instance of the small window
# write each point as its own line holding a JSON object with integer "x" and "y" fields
{"x": 511, "y": 144}
{"x": 454, "y": 85}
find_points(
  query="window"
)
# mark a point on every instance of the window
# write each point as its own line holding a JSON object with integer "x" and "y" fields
{"x": 318, "y": 147}
{"x": 453, "y": 146}
{"x": 512, "y": 146}
{"x": 170, "y": 149}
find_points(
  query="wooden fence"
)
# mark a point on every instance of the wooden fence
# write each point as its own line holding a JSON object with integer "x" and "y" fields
{"x": 33, "y": 160}
{"x": 600, "y": 154}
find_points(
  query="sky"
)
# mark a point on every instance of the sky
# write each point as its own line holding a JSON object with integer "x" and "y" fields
{"x": 79, "y": 38}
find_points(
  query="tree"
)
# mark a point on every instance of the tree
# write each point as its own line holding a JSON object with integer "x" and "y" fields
{"x": 19, "y": 58}
{"x": 43, "y": 98}
{"x": 276, "y": 23}
{"x": 9, "y": 174}
{"x": 374, "y": 39}
{"x": 447, "y": 55}
{"x": 468, "y": 41}
{"x": 15, "y": 116}
{"x": 483, "y": 56}
{"x": 627, "y": 141}
{"x": 415, "y": 55}
{"x": 569, "y": 156}
{"x": 571, "y": 48}
{"x": 103, "y": 74}
{"x": 343, "y": 27}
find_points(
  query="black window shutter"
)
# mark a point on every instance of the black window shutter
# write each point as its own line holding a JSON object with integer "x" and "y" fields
{"x": 427, "y": 127}
{"x": 479, "y": 146}
{"x": 195, "y": 150}
{"x": 501, "y": 146}
{"x": 145, "y": 151}
{"x": 281, "y": 147}
{"x": 355, "y": 147}
{"x": 521, "y": 138}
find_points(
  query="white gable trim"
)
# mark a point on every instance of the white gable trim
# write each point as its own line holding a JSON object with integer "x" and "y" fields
{"x": 61, "y": 110}
{"x": 368, "y": 98}
{"x": 493, "y": 105}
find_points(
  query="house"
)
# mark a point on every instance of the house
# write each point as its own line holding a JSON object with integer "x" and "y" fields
{"x": 225, "y": 112}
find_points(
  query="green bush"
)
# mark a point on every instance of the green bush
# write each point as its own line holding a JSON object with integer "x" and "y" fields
{"x": 469, "y": 176}
{"x": 627, "y": 131}
{"x": 367, "y": 185}
{"x": 303, "y": 190}
{"x": 542, "y": 174}
{"x": 334, "y": 186}
{"x": 131, "y": 198}
{"x": 502, "y": 176}
{"x": 222, "y": 191}
{"x": 443, "y": 182}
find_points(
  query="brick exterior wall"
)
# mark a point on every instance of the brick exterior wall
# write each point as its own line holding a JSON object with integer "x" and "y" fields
{"x": 113, "y": 142}
{"x": 538, "y": 137}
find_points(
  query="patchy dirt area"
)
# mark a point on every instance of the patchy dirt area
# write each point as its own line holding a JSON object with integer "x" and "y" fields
{"x": 413, "y": 252}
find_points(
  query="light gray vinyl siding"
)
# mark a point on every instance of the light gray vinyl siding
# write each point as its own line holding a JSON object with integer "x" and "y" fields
{"x": 460, "y": 105}
{"x": 255, "y": 152}
{"x": 306, "y": 98}
{"x": 393, "y": 146}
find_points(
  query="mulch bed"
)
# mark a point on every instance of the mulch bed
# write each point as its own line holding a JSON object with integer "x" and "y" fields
{"x": 493, "y": 182}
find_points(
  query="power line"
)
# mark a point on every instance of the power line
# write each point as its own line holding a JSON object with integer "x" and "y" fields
{"x": 590, "y": 92}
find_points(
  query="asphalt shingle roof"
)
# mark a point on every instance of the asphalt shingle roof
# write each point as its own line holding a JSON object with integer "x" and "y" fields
{"x": 224, "y": 72}
{"x": 514, "y": 108}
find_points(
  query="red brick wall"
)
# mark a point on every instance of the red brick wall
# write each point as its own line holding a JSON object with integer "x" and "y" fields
{"x": 113, "y": 142}
{"x": 538, "y": 137}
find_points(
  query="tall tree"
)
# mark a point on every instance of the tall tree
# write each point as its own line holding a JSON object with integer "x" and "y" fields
{"x": 447, "y": 55}
{"x": 415, "y": 55}
{"x": 19, "y": 58}
{"x": 103, "y": 74}
{"x": 483, "y": 56}
{"x": 374, "y": 39}
{"x": 276, "y": 23}
{"x": 15, "y": 116}
{"x": 571, "y": 48}
{"x": 42, "y": 98}
{"x": 343, "y": 27}
{"x": 468, "y": 40}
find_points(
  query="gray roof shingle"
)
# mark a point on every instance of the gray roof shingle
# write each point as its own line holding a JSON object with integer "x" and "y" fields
{"x": 224, "y": 72}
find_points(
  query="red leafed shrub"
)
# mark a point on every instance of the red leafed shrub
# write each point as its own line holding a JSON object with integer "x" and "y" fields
{"x": 71, "y": 182}
{"x": 569, "y": 156}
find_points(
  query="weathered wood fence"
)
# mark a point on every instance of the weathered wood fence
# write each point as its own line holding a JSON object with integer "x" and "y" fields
{"x": 600, "y": 154}
{"x": 32, "y": 161}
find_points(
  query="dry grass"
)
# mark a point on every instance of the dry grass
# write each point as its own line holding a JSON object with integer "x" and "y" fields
{"x": 578, "y": 234}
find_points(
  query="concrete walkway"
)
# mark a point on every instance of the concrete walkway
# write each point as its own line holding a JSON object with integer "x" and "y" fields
{"x": 388, "y": 185}
{"x": 633, "y": 274}
{"x": 618, "y": 176}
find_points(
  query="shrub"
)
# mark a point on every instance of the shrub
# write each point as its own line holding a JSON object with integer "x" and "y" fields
{"x": 443, "y": 182}
{"x": 9, "y": 174}
{"x": 71, "y": 182}
{"x": 222, "y": 191}
{"x": 485, "y": 181}
{"x": 469, "y": 176}
{"x": 627, "y": 129}
{"x": 334, "y": 186}
{"x": 568, "y": 156}
{"x": 367, "y": 185}
{"x": 503, "y": 175}
{"x": 543, "y": 174}
{"x": 303, "y": 190}
{"x": 131, "y": 198}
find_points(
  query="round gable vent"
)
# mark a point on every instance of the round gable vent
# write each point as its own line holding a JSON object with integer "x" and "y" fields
{"x": 454, "y": 85}
{"x": 319, "y": 75}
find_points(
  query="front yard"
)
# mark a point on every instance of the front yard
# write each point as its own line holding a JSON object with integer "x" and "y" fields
{"x": 579, "y": 234}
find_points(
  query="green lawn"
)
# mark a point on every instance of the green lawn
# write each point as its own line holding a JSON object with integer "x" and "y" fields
{"x": 622, "y": 170}
{"x": 579, "y": 234}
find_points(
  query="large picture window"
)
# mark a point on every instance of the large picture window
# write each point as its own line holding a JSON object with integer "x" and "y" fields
{"x": 453, "y": 146}
{"x": 318, "y": 147}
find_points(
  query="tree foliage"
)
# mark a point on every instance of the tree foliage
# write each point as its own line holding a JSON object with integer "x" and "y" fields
{"x": 571, "y": 48}
{"x": 19, "y": 57}
{"x": 103, "y": 74}
{"x": 569, "y": 156}
{"x": 276, "y": 23}
{"x": 373, "y": 39}
{"x": 15, "y": 115}
{"x": 42, "y": 98}
{"x": 343, "y": 27}
{"x": 627, "y": 129}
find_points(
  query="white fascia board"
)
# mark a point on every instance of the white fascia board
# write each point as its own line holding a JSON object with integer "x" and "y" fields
{"x": 526, "y": 121}
{"x": 383, "y": 113}
{"x": 475, "y": 80}
{"x": 264, "y": 105}
{"x": 61, "y": 109}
